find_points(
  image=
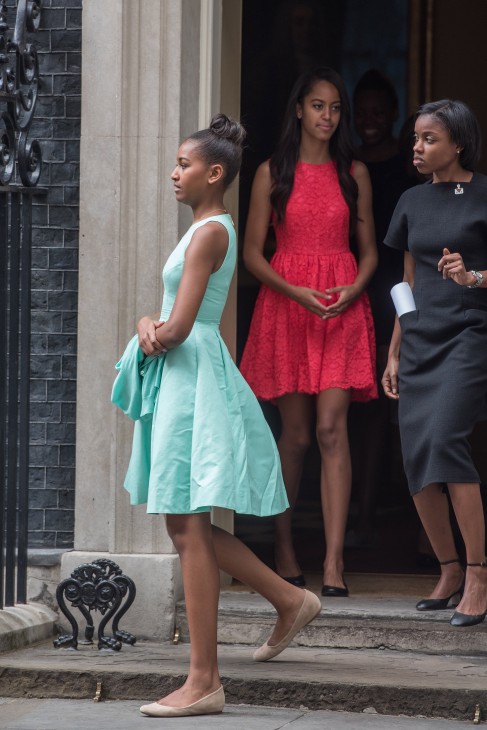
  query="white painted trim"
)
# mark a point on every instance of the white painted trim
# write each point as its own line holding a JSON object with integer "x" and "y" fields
{"x": 210, "y": 60}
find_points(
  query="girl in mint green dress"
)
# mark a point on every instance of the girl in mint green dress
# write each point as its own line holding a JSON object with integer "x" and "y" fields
{"x": 201, "y": 440}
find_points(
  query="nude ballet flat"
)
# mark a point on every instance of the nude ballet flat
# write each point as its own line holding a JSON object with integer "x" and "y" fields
{"x": 209, "y": 705}
{"x": 309, "y": 610}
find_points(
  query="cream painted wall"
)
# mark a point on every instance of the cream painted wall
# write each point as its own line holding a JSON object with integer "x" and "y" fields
{"x": 132, "y": 120}
{"x": 151, "y": 70}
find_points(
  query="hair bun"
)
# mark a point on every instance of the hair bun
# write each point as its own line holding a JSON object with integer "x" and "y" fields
{"x": 227, "y": 128}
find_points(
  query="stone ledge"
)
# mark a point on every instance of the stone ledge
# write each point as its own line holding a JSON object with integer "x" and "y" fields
{"x": 359, "y": 622}
{"x": 47, "y": 557}
{"x": 25, "y": 624}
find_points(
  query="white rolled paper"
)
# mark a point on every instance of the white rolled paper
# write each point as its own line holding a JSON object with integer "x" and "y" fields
{"x": 403, "y": 299}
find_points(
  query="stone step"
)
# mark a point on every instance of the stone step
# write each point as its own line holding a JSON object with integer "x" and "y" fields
{"x": 371, "y": 652}
{"x": 361, "y": 621}
{"x": 387, "y": 682}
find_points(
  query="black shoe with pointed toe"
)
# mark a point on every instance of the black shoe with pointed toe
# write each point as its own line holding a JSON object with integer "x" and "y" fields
{"x": 334, "y": 591}
{"x": 469, "y": 619}
{"x": 296, "y": 580}
{"x": 440, "y": 604}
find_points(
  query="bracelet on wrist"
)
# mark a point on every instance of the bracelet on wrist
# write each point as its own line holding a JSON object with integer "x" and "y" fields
{"x": 478, "y": 277}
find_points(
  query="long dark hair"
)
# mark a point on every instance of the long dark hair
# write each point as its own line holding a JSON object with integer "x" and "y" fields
{"x": 461, "y": 124}
{"x": 283, "y": 161}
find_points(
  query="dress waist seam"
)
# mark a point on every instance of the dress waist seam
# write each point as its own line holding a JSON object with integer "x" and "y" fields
{"x": 312, "y": 254}
{"x": 215, "y": 324}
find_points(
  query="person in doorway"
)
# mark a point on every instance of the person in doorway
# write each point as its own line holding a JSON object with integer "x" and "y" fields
{"x": 376, "y": 110}
{"x": 437, "y": 367}
{"x": 209, "y": 444}
{"x": 311, "y": 343}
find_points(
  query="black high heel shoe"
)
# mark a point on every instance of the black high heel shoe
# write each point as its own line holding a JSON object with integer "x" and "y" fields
{"x": 439, "y": 604}
{"x": 469, "y": 619}
{"x": 334, "y": 591}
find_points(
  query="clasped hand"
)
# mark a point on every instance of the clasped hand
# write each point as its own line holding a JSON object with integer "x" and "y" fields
{"x": 148, "y": 342}
{"x": 309, "y": 298}
{"x": 452, "y": 267}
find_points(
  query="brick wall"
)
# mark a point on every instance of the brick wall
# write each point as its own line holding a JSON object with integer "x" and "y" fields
{"x": 55, "y": 275}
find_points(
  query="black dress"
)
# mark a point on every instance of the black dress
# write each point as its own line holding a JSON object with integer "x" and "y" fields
{"x": 443, "y": 355}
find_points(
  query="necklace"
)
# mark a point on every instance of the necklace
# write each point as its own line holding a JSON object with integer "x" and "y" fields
{"x": 458, "y": 189}
{"x": 207, "y": 215}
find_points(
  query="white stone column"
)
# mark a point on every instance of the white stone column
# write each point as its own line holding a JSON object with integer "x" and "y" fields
{"x": 221, "y": 50}
{"x": 140, "y": 98}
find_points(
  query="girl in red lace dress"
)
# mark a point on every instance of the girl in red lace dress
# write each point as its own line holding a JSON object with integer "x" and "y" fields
{"x": 311, "y": 345}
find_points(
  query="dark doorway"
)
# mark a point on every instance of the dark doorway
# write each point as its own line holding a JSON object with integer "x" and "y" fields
{"x": 280, "y": 39}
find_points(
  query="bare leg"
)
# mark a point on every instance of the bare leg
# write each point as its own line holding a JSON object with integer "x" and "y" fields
{"x": 467, "y": 504}
{"x": 192, "y": 538}
{"x": 433, "y": 510}
{"x": 203, "y": 549}
{"x": 240, "y": 562}
{"x": 296, "y": 412}
{"x": 336, "y": 477}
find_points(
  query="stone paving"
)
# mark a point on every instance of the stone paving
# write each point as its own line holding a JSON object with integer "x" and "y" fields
{"x": 125, "y": 715}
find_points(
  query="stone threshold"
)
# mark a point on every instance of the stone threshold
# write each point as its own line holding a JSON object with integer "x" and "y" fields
{"x": 362, "y": 621}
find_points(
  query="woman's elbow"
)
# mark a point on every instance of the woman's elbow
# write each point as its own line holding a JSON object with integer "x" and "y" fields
{"x": 250, "y": 259}
{"x": 370, "y": 258}
{"x": 247, "y": 258}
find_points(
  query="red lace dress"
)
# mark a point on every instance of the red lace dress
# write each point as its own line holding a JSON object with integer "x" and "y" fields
{"x": 289, "y": 349}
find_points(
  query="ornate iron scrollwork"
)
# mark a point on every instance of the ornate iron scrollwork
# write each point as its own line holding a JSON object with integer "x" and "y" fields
{"x": 19, "y": 86}
{"x": 97, "y": 586}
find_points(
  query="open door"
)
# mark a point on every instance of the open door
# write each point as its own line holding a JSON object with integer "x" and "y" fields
{"x": 410, "y": 41}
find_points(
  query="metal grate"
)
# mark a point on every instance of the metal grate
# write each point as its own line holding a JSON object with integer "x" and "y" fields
{"x": 20, "y": 169}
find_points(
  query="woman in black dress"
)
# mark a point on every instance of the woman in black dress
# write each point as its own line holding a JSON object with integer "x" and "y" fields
{"x": 437, "y": 364}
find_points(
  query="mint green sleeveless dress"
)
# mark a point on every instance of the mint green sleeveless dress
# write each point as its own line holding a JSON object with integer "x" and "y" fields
{"x": 207, "y": 443}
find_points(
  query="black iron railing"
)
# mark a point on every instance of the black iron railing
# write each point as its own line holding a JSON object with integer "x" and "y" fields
{"x": 20, "y": 168}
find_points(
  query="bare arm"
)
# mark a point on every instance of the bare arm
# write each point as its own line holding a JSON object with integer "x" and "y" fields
{"x": 367, "y": 248}
{"x": 390, "y": 379}
{"x": 204, "y": 255}
{"x": 255, "y": 237}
